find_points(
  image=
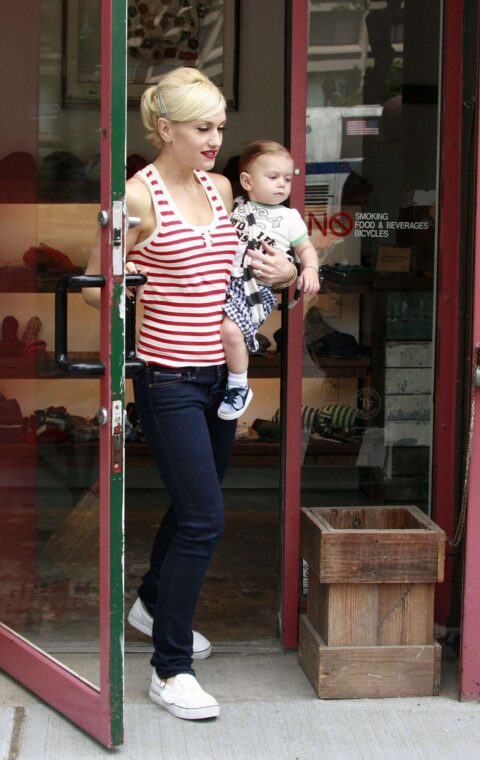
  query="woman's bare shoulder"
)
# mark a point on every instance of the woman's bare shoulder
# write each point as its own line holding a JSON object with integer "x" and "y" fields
{"x": 224, "y": 188}
{"x": 137, "y": 196}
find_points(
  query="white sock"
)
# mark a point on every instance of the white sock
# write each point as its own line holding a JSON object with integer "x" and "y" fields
{"x": 237, "y": 381}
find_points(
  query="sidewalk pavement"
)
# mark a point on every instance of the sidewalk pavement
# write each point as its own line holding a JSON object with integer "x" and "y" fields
{"x": 268, "y": 712}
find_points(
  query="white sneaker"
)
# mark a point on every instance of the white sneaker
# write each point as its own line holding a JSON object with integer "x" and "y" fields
{"x": 183, "y": 697}
{"x": 140, "y": 618}
{"x": 234, "y": 403}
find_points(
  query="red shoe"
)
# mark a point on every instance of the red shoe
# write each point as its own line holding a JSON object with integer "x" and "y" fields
{"x": 43, "y": 258}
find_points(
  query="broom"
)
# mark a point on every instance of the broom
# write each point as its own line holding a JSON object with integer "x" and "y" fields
{"x": 74, "y": 545}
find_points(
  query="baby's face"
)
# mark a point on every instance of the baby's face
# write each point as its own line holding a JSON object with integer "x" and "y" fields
{"x": 269, "y": 178}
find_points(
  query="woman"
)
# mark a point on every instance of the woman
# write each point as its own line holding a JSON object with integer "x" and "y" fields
{"x": 186, "y": 244}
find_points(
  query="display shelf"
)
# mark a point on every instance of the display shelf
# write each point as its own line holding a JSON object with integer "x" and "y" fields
{"x": 401, "y": 281}
{"x": 42, "y": 367}
{"x": 246, "y": 453}
{"x": 320, "y": 453}
{"x": 26, "y": 280}
{"x": 324, "y": 366}
{"x": 258, "y": 453}
{"x": 265, "y": 366}
{"x": 361, "y": 283}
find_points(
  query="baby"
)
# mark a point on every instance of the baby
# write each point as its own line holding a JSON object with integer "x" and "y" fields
{"x": 266, "y": 172}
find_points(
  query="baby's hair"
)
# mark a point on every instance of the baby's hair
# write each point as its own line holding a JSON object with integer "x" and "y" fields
{"x": 184, "y": 94}
{"x": 260, "y": 148}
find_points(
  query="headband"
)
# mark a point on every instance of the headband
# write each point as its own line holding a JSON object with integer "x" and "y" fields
{"x": 161, "y": 104}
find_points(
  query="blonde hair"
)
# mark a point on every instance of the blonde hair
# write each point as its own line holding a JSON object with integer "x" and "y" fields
{"x": 260, "y": 148}
{"x": 185, "y": 94}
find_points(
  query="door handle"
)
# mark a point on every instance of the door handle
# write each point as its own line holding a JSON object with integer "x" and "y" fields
{"x": 133, "y": 365}
{"x": 82, "y": 368}
{"x": 103, "y": 219}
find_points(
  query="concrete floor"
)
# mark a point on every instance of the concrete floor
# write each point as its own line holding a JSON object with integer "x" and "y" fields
{"x": 268, "y": 712}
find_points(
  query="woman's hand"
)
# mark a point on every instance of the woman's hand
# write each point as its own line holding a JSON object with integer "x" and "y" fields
{"x": 131, "y": 268}
{"x": 271, "y": 266}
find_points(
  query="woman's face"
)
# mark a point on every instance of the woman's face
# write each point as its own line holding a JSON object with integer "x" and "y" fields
{"x": 196, "y": 143}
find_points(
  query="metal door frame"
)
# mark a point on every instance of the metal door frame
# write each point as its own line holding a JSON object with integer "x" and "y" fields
{"x": 99, "y": 711}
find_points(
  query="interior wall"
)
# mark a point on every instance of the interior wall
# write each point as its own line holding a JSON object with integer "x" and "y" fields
{"x": 19, "y": 125}
{"x": 260, "y": 111}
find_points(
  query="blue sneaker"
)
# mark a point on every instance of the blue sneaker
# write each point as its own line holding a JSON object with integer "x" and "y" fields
{"x": 234, "y": 403}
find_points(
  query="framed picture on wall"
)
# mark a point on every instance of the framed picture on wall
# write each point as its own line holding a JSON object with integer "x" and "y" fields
{"x": 160, "y": 36}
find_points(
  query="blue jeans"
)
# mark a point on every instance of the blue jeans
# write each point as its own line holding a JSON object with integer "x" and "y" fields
{"x": 192, "y": 446}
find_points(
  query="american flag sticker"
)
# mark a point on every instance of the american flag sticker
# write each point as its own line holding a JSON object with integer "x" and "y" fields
{"x": 362, "y": 127}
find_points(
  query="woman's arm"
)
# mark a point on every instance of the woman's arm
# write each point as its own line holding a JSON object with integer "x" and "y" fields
{"x": 138, "y": 204}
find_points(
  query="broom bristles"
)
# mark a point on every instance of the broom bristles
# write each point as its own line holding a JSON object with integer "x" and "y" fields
{"x": 74, "y": 545}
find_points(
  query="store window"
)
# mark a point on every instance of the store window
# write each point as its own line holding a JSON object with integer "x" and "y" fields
{"x": 371, "y": 208}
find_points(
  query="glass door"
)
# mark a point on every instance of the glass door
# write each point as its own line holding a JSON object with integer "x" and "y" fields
{"x": 61, "y": 361}
{"x": 361, "y": 406}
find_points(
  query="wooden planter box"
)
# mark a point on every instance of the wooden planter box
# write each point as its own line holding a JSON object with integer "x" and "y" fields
{"x": 369, "y": 625}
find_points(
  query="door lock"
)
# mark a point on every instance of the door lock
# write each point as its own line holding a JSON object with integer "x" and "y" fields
{"x": 102, "y": 416}
{"x": 103, "y": 217}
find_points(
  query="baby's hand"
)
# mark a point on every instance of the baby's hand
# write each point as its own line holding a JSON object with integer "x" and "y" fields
{"x": 310, "y": 281}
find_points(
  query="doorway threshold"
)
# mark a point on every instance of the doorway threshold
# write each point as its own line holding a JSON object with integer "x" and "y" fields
{"x": 264, "y": 646}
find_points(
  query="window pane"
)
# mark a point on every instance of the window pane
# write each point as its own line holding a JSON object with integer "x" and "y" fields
{"x": 371, "y": 189}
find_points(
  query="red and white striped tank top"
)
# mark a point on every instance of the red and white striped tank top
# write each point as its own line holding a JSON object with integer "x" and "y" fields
{"x": 189, "y": 268}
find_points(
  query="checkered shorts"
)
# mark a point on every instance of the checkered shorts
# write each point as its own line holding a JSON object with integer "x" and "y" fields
{"x": 238, "y": 309}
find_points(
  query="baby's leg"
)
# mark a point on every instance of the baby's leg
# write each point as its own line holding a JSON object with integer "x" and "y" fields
{"x": 239, "y": 394}
{"x": 236, "y": 351}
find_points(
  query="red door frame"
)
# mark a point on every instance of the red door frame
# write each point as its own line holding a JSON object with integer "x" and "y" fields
{"x": 447, "y": 359}
{"x": 293, "y": 392}
{"x": 98, "y": 711}
{"x": 470, "y": 625}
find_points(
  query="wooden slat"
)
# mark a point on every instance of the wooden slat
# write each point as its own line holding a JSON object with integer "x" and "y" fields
{"x": 405, "y": 613}
{"x": 399, "y": 545}
{"x": 405, "y": 408}
{"x": 408, "y": 354}
{"x": 370, "y": 614}
{"x": 369, "y": 672}
{"x": 378, "y": 557}
{"x": 407, "y": 433}
{"x": 318, "y": 605}
{"x": 343, "y": 614}
{"x": 408, "y": 380}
